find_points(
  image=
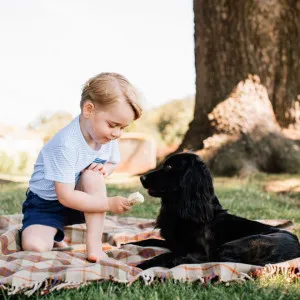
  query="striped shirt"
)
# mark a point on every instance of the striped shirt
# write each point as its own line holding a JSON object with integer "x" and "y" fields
{"x": 64, "y": 157}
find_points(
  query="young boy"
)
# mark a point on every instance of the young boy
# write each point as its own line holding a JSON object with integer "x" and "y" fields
{"x": 67, "y": 186}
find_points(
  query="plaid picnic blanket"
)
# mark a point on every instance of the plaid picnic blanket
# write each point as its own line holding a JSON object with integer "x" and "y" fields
{"x": 28, "y": 272}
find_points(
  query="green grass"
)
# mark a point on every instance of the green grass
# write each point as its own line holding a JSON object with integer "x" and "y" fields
{"x": 245, "y": 197}
{"x": 170, "y": 290}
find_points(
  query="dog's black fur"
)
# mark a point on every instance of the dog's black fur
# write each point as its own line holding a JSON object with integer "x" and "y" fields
{"x": 197, "y": 229}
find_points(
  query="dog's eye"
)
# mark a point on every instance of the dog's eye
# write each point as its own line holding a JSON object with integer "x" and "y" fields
{"x": 168, "y": 167}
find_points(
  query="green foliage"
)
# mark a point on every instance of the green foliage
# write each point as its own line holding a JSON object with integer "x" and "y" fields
{"x": 16, "y": 164}
{"x": 24, "y": 157}
{"x": 173, "y": 120}
{"x": 146, "y": 125}
{"x": 167, "y": 123}
{"x": 6, "y": 163}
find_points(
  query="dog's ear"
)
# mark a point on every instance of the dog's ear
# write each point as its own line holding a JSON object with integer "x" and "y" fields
{"x": 197, "y": 194}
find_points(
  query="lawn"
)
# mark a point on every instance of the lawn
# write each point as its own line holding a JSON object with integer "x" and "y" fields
{"x": 245, "y": 197}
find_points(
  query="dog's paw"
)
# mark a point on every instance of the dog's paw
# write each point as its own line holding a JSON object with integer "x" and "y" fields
{"x": 144, "y": 265}
{"x": 135, "y": 198}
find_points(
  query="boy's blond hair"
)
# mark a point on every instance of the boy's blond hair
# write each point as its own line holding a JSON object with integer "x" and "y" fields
{"x": 108, "y": 88}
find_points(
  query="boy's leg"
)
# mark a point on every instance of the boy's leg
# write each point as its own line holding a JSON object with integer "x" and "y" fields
{"x": 38, "y": 238}
{"x": 92, "y": 182}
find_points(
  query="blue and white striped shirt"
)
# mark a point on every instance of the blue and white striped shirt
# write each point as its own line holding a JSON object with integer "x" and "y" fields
{"x": 64, "y": 157}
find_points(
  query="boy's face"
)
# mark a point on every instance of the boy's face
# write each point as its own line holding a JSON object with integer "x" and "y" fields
{"x": 107, "y": 124}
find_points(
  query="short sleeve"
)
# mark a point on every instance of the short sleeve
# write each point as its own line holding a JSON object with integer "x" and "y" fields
{"x": 115, "y": 156}
{"x": 59, "y": 164}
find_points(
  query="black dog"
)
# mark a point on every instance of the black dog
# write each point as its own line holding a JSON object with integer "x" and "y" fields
{"x": 197, "y": 229}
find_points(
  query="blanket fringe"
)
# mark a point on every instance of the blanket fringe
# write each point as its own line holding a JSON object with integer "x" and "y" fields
{"x": 69, "y": 285}
{"x": 289, "y": 272}
{"x": 148, "y": 276}
{"x": 13, "y": 290}
{"x": 29, "y": 290}
{"x": 245, "y": 276}
{"x": 270, "y": 270}
{"x": 36, "y": 287}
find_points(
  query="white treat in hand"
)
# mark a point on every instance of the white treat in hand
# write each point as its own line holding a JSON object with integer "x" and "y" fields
{"x": 135, "y": 198}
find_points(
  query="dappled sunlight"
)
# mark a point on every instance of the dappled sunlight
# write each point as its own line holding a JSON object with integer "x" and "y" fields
{"x": 284, "y": 186}
{"x": 280, "y": 281}
{"x": 245, "y": 137}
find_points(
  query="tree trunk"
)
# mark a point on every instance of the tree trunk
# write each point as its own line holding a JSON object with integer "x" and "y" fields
{"x": 234, "y": 39}
{"x": 286, "y": 88}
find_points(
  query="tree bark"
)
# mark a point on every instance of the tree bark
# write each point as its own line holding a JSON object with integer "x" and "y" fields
{"x": 199, "y": 128}
{"x": 236, "y": 38}
{"x": 286, "y": 90}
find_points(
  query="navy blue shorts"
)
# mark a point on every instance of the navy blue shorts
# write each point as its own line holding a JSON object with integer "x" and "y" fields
{"x": 38, "y": 211}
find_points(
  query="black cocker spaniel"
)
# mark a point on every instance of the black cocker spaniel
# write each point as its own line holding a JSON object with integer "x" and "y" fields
{"x": 197, "y": 229}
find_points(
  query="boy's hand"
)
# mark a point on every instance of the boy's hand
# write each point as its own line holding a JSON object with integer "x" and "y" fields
{"x": 97, "y": 168}
{"x": 118, "y": 205}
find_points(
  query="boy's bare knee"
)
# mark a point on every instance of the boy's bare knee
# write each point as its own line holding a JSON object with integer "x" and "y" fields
{"x": 91, "y": 182}
{"x": 36, "y": 245}
{"x": 38, "y": 238}
{"x": 91, "y": 176}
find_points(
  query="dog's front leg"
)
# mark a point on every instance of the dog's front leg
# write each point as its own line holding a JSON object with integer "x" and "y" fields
{"x": 170, "y": 260}
{"x": 166, "y": 260}
{"x": 150, "y": 243}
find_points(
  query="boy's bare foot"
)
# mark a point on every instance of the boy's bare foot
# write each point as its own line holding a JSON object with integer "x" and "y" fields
{"x": 61, "y": 244}
{"x": 96, "y": 258}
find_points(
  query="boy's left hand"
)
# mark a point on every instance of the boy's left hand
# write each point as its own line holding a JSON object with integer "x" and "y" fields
{"x": 98, "y": 168}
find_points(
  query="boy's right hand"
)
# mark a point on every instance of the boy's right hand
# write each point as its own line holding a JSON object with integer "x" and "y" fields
{"x": 118, "y": 205}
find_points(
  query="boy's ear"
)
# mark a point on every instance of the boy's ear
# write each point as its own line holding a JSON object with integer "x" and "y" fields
{"x": 87, "y": 108}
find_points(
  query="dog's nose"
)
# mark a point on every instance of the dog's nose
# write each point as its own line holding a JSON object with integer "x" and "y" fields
{"x": 143, "y": 178}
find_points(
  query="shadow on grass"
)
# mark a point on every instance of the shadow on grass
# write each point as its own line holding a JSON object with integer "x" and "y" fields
{"x": 4, "y": 181}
